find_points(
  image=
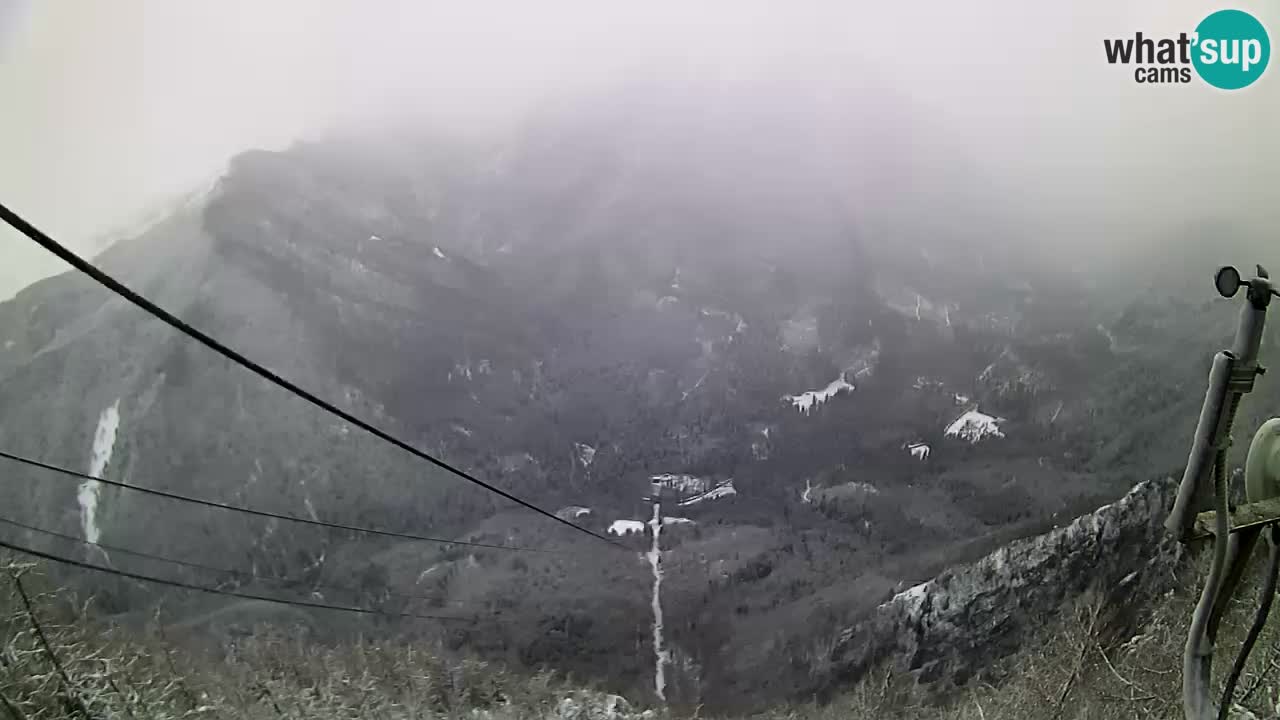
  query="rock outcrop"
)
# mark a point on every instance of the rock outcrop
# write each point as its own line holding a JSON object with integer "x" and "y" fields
{"x": 945, "y": 629}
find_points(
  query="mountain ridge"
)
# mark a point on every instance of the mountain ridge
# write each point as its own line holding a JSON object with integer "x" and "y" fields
{"x": 502, "y": 308}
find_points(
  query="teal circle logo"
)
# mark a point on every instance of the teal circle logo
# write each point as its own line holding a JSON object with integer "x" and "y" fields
{"x": 1231, "y": 49}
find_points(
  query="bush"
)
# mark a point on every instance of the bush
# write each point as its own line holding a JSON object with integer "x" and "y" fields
{"x": 57, "y": 661}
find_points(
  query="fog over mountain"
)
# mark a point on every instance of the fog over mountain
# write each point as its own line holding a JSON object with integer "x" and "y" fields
{"x": 113, "y": 110}
{"x": 897, "y": 314}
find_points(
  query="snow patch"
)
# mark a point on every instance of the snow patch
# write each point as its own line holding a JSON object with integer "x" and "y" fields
{"x": 586, "y": 453}
{"x": 464, "y": 370}
{"x": 461, "y": 430}
{"x": 867, "y": 488}
{"x": 1112, "y": 345}
{"x": 961, "y": 399}
{"x": 739, "y": 324}
{"x": 919, "y": 450}
{"x": 806, "y": 401}
{"x": 676, "y": 521}
{"x": 700, "y": 488}
{"x": 318, "y": 561}
{"x": 104, "y": 441}
{"x": 573, "y": 512}
{"x": 722, "y": 490}
{"x": 974, "y": 426}
{"x": 436, "y": 251}
{"x": 685, "y": 395}
{"x": 680, "y": 483}
{"x": 423, "y": 575}
{"x": 626, "y": 527}
{"x": 915, "y": 593}
{"x": 661, "y": 655}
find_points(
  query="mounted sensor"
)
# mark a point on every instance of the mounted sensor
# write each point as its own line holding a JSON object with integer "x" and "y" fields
{"x": 1227, "y": 281}
{"x": 1262, "y": 467}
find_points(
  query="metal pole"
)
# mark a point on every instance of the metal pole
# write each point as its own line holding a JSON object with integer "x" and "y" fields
{"x": 1248, "y": 339}
{"x": 1192, "y": 490}
{"x": 1230, "y": 378}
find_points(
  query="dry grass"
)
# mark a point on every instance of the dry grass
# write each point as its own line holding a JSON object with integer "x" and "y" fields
{"x": 65, "y": 665}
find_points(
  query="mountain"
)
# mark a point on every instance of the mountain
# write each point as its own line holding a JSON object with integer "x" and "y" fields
{"x": 682, "y": 287}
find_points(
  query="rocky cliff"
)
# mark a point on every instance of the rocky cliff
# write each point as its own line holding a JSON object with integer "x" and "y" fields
{"x": 945, "y": 631}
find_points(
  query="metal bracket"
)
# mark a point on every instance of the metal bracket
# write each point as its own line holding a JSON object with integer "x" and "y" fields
{"x": 1261, "y": 486}
{"x": 1241, "y": 379}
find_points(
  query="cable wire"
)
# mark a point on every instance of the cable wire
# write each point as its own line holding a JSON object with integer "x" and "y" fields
{"x": 260, "y": 513}
{"x": 18, "y": 223}
{"x": 215, "y": 591}
{"x": 1259, "y": 622}
{"x": 285, "y": 582}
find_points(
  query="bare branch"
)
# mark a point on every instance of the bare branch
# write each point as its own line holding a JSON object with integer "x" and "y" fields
{"x": 1131, "y": 684}
{"x": 128, "y": 707}
{"x": 1261, "y": 677}
{"x": 14, "y": 711}
{"x": 72, "y": 696}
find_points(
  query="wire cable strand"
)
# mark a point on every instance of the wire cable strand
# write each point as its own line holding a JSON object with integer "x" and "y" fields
{"x": 215, "y": 591}
{"x": 260, "y": 513}
{"x": 1267, "y": 595}
{"x": 282, "y": 581}
{"x": 34, "y": 234}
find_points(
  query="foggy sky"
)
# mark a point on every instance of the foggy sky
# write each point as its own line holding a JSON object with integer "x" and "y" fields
{"x": 112, "y": 107}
